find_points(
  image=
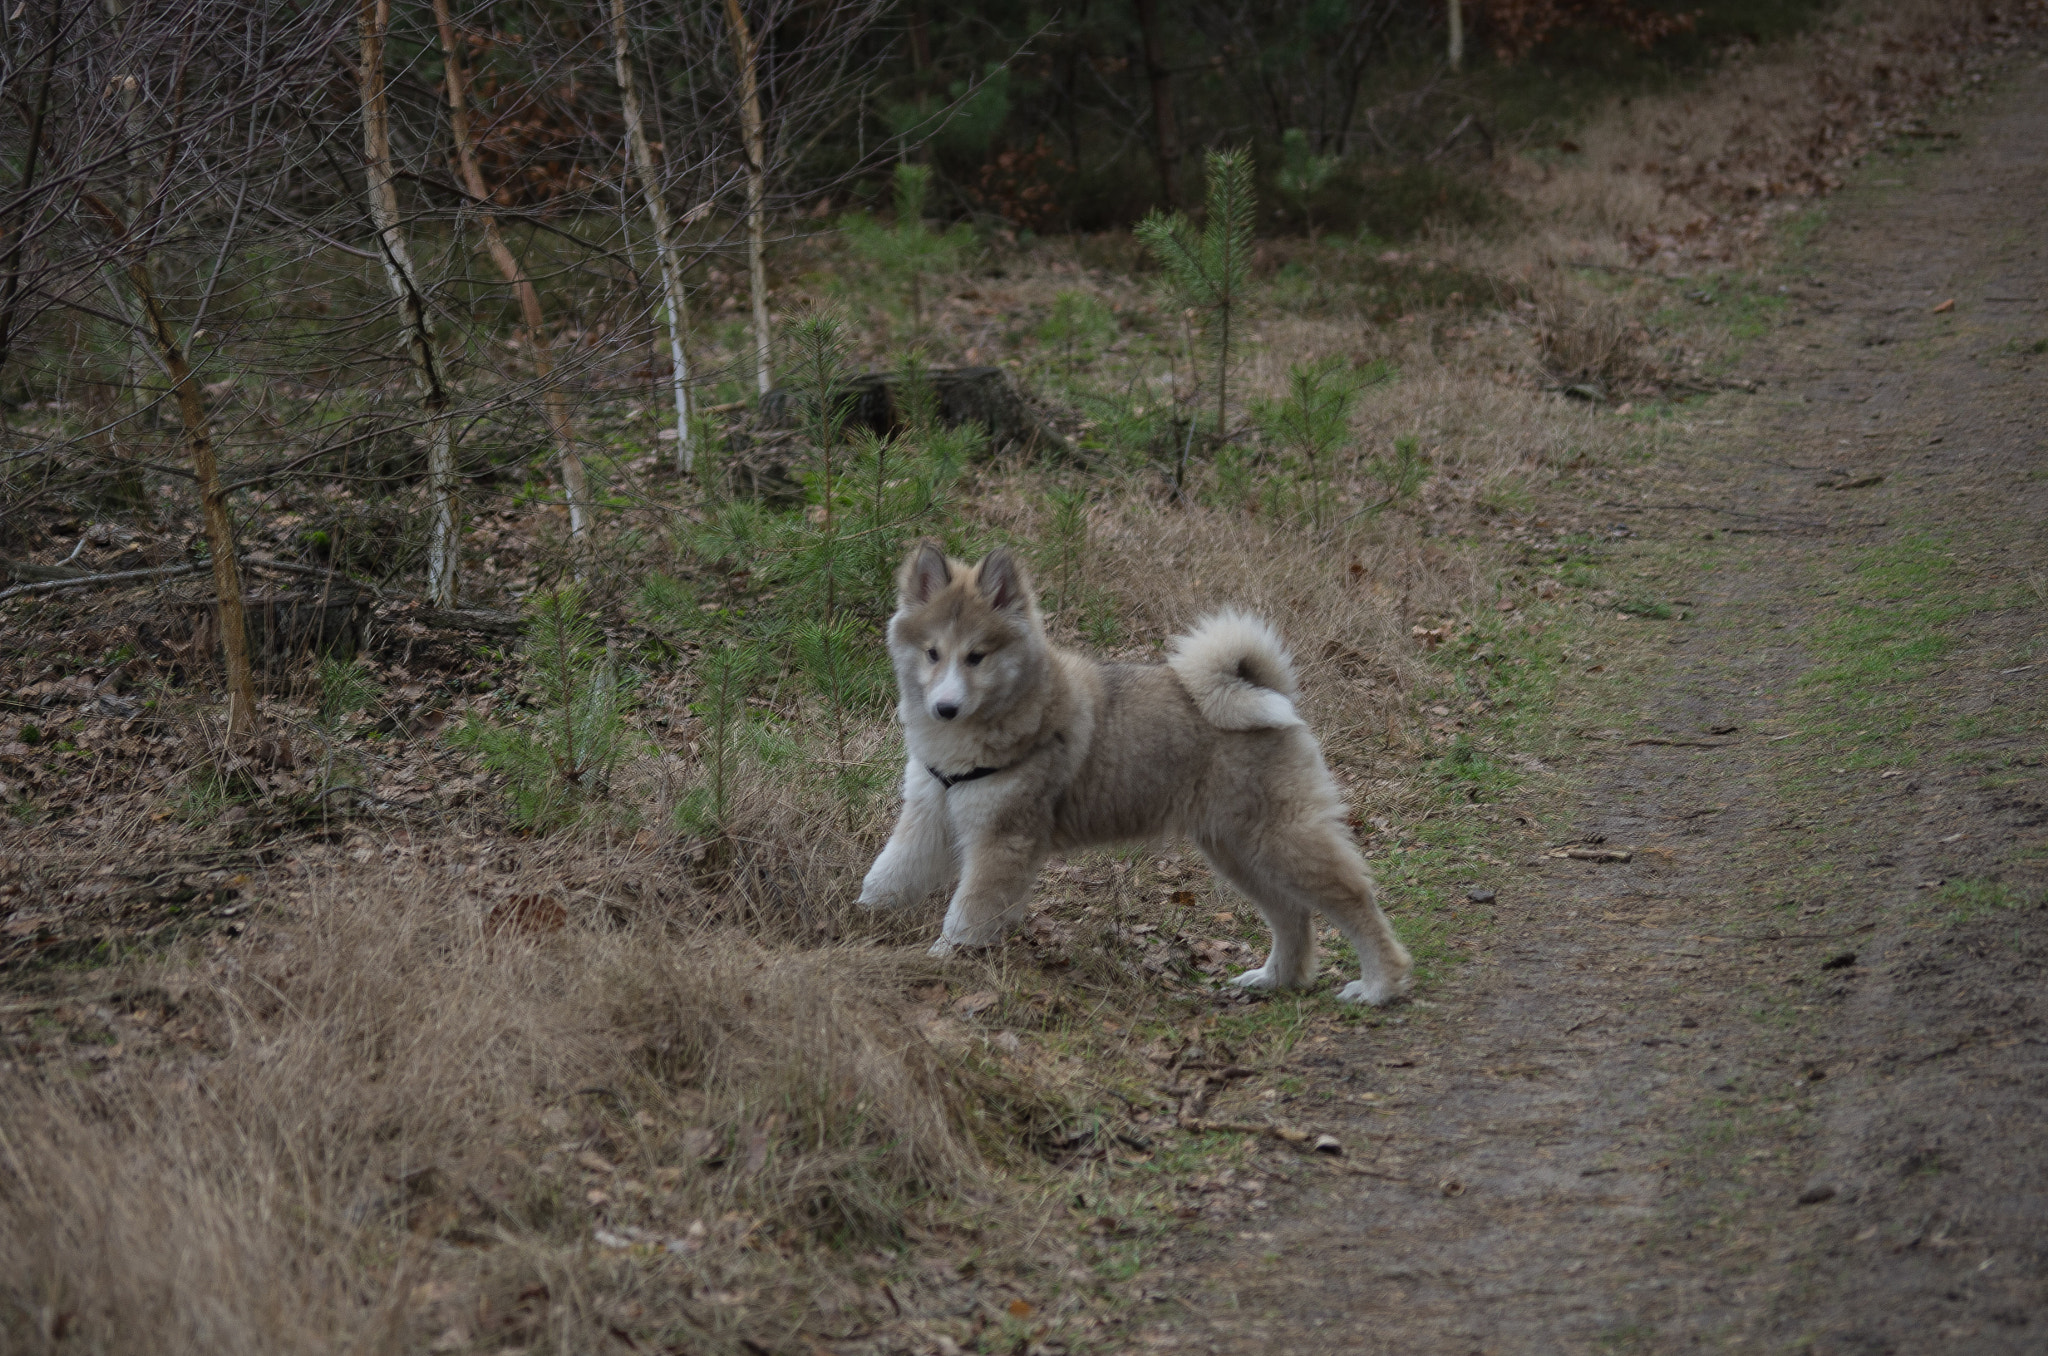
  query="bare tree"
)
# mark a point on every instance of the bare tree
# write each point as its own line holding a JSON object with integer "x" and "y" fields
{"x": 220, "y": 529}
{"x": 444, "y": 548}
{"x": 746, "y": 55}
{"x": 674, "y": 310}
{"x": 553, "y": 400}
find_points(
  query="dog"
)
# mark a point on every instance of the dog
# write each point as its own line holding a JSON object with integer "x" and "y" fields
{"x": 1018, "y": 749}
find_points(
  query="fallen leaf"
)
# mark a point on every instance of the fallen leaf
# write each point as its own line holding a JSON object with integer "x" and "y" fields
{"x": 1021, "y": 1308}
{"x": 1946, "y": 306}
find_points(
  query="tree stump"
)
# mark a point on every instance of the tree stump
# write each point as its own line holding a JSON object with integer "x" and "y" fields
{"x": 988, "y": 396}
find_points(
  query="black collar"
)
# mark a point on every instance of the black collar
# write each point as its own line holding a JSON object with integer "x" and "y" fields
{"x": 950, "y": 780}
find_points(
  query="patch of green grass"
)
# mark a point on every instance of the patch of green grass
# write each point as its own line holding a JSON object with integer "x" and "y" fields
{"x": 207, "y": 791}
{"x": 1977, "y": 896}
{"x": 1894, "y": 630}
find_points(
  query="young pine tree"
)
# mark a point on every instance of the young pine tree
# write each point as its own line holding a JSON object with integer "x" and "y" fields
{"x": 559, "y": 753}
{"x": 909, "y": 248}
{"x": 1207, "y": 270}
{"x": 1303, "y": 174}
{"x": 1314, "y": 423}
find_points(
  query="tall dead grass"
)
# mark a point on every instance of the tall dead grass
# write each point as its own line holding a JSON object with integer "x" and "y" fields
{"x": 411, "y": 1120}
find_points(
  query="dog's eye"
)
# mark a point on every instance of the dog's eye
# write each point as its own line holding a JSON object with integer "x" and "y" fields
{"x": 974, "y": 659}
{"x": 932, "y": 655}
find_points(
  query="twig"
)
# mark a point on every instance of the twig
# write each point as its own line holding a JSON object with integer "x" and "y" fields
{"x": 1711, "y": 508}
{"x": 1688, "y": 743}
{"x": 93, "y": 580}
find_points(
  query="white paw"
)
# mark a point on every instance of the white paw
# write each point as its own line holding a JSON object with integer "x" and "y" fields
{"x": 1260, "y": 979}
{"x": 881, "y": 888}
{"x": 1375, "y": 993}
{"x": 952, "y": 942}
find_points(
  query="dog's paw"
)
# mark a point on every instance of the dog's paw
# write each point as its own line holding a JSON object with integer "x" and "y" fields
{"x": 953, "y": 943}
{"x": 1260, "y": 979}
{"x": 1375, "y": 994}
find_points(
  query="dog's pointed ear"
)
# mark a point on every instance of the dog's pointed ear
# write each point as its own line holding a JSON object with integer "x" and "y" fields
{"x": 1002, "y": 583}
{"x": 924, "y": 573}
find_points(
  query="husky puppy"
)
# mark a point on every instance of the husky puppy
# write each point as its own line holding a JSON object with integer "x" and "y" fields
{"x": 1018, "y": 749}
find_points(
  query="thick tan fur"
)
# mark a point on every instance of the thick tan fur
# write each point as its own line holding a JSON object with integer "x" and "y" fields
{"x": 1018, "y": 749}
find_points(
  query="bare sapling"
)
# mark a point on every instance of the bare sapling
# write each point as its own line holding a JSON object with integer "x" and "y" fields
{"x": 746, "y": 49}
{"x": 674, "y": 299}
{"x": 445, "y": 533}
{"x": 213, "y": 499}
{"x": 554, "y": 402}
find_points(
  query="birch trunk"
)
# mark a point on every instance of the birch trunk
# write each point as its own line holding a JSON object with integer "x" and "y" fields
{"x": 445, "y": 539}
{"x": 213, "y": 500}
{"x": 746, "y": 52}
{"x": 1456, "y": 19}
{"x": 553, "y": 401}
{"x": 657, "y": 210}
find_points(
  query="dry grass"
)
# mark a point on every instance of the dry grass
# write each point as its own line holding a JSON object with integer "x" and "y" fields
{"x": 1694, "y": 178}
{"x": 412, "y": 1114}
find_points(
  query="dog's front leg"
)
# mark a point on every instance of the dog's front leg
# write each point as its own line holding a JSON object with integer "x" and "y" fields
{"x": 995, "y": 885}
{"x": 919, "y": 855}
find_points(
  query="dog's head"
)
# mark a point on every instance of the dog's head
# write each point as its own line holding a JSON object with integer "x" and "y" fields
{"x": 966, "y": 639}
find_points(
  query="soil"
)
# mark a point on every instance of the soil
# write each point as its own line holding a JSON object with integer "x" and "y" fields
{"x": 1774, "y": 1082}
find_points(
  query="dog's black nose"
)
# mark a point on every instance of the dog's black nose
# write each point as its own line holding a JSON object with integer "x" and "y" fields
{"x": 946, "y": 710}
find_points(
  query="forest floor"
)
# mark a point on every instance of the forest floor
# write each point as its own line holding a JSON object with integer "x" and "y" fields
{"x": 1777, "y": 1081}
{"x": 1732, "y": 915}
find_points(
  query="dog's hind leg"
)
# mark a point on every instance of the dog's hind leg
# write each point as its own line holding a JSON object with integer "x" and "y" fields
{"x": 1291, "y": 963}
{"x": 919, "y": 856}
{"x": 1327, "y": 868}
{"x": 1311, "y": 867}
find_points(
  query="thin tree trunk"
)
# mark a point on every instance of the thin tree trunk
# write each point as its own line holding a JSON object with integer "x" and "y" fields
{"x": 1165, "y": 140}
{"x": 445, "y": 537}
{"x": 1456, "y": 17}
{"x": 746, "y": 52}
{"x": 664, "y": 249}
{"x": 213, "y": 500}
{"x": 553, "y": 400}
{"x": 10, "y": 289}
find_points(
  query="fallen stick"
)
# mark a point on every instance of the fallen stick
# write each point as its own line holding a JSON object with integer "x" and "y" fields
{"x": 93, "y": 580}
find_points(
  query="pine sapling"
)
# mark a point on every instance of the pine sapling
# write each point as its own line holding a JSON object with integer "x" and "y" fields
{"x": 1314, "y": 422}
{"x": 1303, "y": 174}
{"x": 1069, "y": 540}
{"x": 1208, "y": 270}
{"x": 909, "y": 247}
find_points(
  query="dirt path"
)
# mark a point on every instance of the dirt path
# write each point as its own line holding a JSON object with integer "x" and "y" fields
{"x": 1781, "y": 1080}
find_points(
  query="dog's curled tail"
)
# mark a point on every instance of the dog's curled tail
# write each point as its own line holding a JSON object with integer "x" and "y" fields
{"x": 1238, "y": 671}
